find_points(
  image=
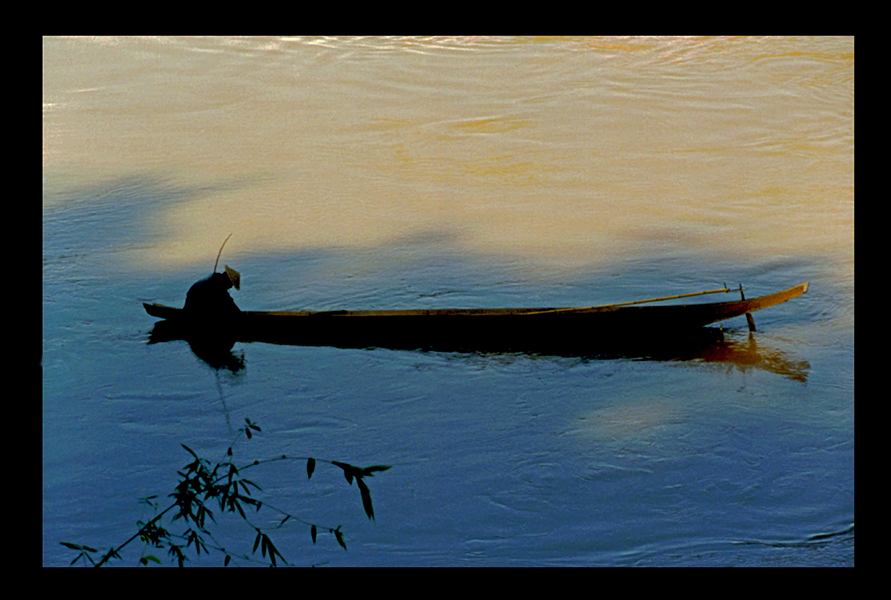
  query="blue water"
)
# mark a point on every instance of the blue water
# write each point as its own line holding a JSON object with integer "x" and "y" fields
{"x": 385, "y": 173}
{"x": 497, "y": 459}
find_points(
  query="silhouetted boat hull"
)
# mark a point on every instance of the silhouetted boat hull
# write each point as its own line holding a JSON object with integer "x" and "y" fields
{"x": 558, "y": 331}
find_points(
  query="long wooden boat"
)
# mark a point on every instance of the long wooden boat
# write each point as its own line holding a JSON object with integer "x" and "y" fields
{"x": 544, "y": 330}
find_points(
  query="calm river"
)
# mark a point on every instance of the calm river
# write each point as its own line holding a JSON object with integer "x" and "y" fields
{"x": 473, "y": 172}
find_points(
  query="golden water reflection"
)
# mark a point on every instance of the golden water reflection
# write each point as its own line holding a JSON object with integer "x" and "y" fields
{"x": 752, "y": 355}
{"x": 570, "y": 153}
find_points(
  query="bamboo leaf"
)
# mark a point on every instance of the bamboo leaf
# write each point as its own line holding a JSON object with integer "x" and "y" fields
{"x": 257, "y": 541}
{"x": 272, "y": 551}
{"x": 203, "y": 512}
{"x": 246, "y": 482}
{"x": 348, "y": 470}
{"x": 312, "y": 533}
{"x": 366, "y": 498}
{"x": 176, "y": 551}
{"x": 226, "y": 560}
{"x": 369, "y": 471}
{"x": 339, "y": 535}
{"x": 237, "y": 505}
{"x": 78, "y": 547}
{"x": 189, "y": 450}
{"x": 310, "y": 467}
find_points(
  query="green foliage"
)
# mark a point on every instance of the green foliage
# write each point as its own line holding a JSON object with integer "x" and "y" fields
{"x": 202, "y": 485}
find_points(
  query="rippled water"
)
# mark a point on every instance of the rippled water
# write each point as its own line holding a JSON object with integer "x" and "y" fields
{"x": 402, "y": 173}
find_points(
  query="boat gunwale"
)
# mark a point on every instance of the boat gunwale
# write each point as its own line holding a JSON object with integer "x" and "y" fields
{"x": 730, "y": 308}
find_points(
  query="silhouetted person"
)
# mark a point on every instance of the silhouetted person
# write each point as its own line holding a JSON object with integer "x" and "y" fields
{"x": 209, "y": 299}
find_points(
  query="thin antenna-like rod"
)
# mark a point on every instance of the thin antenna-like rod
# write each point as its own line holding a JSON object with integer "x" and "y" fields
{"x": 217, "y": 261}
{"x": 557, "y": 310}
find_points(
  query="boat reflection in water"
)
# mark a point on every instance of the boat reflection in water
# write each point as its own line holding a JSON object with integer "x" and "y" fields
{"x": 704, "y": 345}
{"x": 215, "y": 351}
{"x": 627, "y": 330}
{"x": 745, "y": 355}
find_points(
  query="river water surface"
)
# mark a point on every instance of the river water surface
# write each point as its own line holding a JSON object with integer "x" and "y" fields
{"x": 376, "y": 173}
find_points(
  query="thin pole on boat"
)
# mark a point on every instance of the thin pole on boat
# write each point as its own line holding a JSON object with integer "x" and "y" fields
{"x": 217, "y": 261}
{"x": 678, "y": 296}
{"x": 749, "y": 318}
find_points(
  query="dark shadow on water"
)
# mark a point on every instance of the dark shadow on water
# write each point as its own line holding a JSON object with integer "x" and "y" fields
{"x": 703, "y": 345}
{"x": 215, "y": 351}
